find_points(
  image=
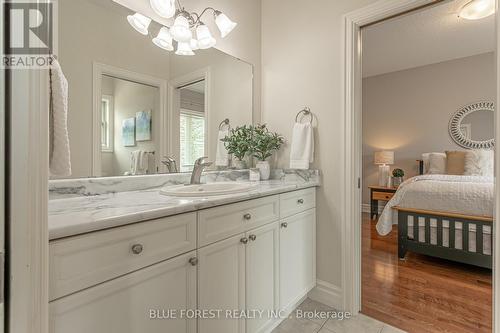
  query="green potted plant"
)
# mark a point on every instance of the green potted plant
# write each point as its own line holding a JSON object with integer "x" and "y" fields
{"x": 397, "y": 177}
{"x": 238, "y": 143}
{"x": 264, "y": 143}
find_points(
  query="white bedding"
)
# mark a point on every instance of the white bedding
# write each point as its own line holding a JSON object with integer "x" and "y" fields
{"x": 468, "y": 195}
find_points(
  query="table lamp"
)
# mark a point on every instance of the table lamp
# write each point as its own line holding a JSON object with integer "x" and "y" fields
{"x": 383, "y": 159}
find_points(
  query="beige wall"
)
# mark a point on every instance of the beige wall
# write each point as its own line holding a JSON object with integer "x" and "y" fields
{"x": 408, "y": 111}
{"x": 302, "y": 65}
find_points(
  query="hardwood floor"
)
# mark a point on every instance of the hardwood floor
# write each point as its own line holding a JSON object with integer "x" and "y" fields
{"x": 422, "y": 294}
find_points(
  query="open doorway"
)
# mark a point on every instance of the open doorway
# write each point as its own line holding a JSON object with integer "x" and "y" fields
{"x": 428, "y": 103}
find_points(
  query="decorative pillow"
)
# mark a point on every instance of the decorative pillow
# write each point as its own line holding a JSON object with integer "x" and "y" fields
{"x": 437, "y": 164}
{"x": 479, "y": 163}
{"x": 455, "y": 162}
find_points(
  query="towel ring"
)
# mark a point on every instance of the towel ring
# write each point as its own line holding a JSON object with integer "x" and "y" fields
{"x": 307, "y": 112}
{"x": 225, "y": 122}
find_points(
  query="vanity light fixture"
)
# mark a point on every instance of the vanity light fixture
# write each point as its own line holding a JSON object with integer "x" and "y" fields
{"x": 139, "y": 22}
{"x": 185, "y": 25}
{"x": 477, "y": 9}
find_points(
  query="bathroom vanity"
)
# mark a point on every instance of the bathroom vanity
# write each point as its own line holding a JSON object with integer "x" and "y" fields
{"x": 249, "y": 251}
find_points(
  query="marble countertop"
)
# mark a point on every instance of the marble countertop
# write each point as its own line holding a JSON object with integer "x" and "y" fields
{"x": 78, "y": 215}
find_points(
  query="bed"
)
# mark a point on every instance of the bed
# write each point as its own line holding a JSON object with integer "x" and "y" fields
{"x": 444, "y": 216}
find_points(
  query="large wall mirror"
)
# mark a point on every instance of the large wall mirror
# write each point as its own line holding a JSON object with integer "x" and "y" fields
{"x": 137, "y": 109}
{"x": 473, "y": 126}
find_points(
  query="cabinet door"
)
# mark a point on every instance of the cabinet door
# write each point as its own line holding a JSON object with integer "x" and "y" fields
{"x": 221, "y": 284}
{"x": 297, "y": 257}
{"x": 262, "y": 276}
{"x": 124, "y": 305}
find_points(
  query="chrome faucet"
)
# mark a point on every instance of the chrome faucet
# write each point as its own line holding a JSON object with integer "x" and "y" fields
{"x": 199, "y": 166}
{"x": 169, "y": 162}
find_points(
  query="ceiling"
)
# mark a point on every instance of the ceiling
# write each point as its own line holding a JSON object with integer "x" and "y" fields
{"x": 425, "y": 37}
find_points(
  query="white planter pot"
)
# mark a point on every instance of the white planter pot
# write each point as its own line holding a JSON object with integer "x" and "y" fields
{"x": 239, "y": 164}
{"x": 264, "y": 169}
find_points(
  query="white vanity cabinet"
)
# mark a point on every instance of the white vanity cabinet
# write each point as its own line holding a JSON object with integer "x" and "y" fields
{"x": 297, "y": 247}
{"x": 253, "y": 255}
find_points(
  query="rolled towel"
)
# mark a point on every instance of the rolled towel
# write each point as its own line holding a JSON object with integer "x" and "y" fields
{"x": 302, "y": 150}
{"x": 60, "y": 155}
{"x": 222, "y": 156}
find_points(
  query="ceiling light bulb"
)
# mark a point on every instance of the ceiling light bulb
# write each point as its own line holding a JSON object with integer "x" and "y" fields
{"x": 205, "y": 39}
{"x": 477, "y": 9}
{"x": 224, "y": 24}
{"x": 184, "y": 49}
{"x": 180, "y": 30}
{"x": 164, "y": 8}
{"x": 194, "y": 44}
{"x": 164, "y": 39}
{"x": 139, "y": 22}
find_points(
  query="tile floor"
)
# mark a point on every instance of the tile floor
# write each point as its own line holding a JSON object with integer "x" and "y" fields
{"x": 358, "y": 324}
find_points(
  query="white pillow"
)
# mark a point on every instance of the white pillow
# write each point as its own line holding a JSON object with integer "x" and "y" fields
{"x": 479, "y": 163}
{"x": 425, "y": 159}
{"x": 437, "y": 164}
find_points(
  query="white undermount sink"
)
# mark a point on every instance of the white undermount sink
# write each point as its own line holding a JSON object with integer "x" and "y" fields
{"x": 207, "y": 190}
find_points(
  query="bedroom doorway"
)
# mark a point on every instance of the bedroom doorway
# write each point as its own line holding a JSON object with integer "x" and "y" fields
{"x": 427, "y": 190}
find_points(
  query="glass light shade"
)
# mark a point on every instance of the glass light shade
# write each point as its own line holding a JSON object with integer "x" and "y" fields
{"x": 205, "y": 39}
{"x": 183, "y": 48}
{"x": 194, "y": 44}
{"x": 164, "y": 8}
{"x": 224, "y": 24}
{"x": 477, "y": 9}
{"x": 180, "y": 30}
{"x": 164, "y": 39}
{"x": 139, "y": 22}
{"x": 384, "y": 157}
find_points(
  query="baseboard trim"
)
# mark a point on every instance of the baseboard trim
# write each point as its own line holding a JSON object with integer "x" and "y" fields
{"x": 365, "y": 208}
{"x": 328, "y": 294}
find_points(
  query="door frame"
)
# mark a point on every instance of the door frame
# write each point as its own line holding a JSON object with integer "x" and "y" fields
{"x": 100, "y": 69}
{"x": 352, "y": 150}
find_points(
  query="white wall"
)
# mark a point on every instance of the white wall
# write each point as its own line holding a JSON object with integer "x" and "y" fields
{"x": 408, "y": 111}
{"x": 302, "y": 65}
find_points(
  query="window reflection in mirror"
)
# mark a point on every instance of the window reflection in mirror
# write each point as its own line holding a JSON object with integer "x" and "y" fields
{"x": 192, "y": 124}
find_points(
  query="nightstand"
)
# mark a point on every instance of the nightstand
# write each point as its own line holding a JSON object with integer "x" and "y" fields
{"x": 381, "y": 193}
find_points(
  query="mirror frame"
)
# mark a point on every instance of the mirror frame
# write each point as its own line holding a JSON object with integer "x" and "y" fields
{"x": 98, "y": 71}
{"x": 456, "y": 122}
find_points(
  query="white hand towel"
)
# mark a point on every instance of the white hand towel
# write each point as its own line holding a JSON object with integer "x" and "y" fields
{"x": 135, "y": 162}
{"x": 60, "y": 156}
{"x": 222, "y": 156}
{"x": 302, "y": 150}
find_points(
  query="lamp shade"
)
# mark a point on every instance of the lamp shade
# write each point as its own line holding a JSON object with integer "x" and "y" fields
{"x": 164, "y": 40}
{"x": 384, "y": 157}
{"x": 477, "y": 9}
{"x": 184, "y": 49}
{"x": 224, "y": 24}
{"x": 139, "y": 22}
{"x": 205, "y": 39}
{"x": 180, "y": 31}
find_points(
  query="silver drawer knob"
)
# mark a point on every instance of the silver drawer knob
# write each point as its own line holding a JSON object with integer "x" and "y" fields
{"x": 252, "y": 237}
{"x": 244, "y": 240}
{"x": 247, "y": 216}
{"x": 137, "y": 248}
{"x": 284, "y": 225}
{"x": 300, "y": 201}
{"x": 193, "y": 261}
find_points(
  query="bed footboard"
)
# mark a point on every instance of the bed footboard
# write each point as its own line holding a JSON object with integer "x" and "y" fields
{"x": 446, "y": 236}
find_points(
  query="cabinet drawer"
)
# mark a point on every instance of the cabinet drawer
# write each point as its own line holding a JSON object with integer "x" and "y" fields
{"x": 218, "y": 223}
{"x": 386, "y": 196}
{"x": 298, "y": 201}
{"x": 83, "y": 261}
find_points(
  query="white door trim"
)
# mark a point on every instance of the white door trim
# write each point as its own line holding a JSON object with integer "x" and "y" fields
{"x": 351, "y": 202}
{"x": 98, "y": 71}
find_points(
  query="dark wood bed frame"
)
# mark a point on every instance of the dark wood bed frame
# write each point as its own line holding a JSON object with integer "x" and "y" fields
{"x": 424, "y": 246}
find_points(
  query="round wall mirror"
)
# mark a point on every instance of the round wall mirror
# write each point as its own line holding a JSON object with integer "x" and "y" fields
{"x": 473, "y": 126}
